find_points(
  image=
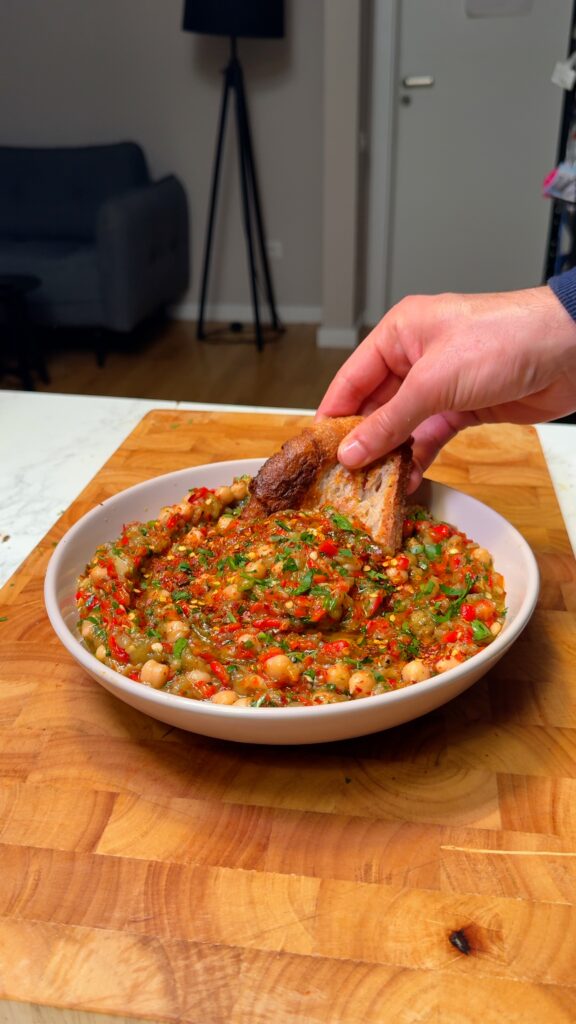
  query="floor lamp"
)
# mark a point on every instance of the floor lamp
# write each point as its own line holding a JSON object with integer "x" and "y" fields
{"x": 262, "y": 19}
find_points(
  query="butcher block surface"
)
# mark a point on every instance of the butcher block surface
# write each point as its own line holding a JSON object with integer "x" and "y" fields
{"x": 427, "y": 873}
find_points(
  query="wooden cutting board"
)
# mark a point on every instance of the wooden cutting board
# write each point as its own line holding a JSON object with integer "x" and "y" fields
{"x": 423, "y": 874}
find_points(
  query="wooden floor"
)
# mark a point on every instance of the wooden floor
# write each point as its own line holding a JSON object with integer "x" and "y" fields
{"x": 169, "y": 363}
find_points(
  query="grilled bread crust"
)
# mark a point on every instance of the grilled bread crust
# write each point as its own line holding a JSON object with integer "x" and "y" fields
{"x": 305, "y": 473}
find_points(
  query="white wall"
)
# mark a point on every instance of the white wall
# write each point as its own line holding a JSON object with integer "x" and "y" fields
{"x": 88, "y": 71}
{"x": 342, "y": 81}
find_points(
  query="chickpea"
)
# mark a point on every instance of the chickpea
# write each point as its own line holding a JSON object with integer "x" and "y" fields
{"x": 121, "y": 565}
{"x": 445, "y": 664}
{"x": 224, "y": 523}
{"x": 361, "y": 683}
{"x": 87, "y": 629}
{"x": 338, "y": 675}
{"x": 482, "y": 555}
{"x": 212, "y": 506}
{"x": 495, "y": 628}
{"x": 175, "y": 629}
{"x": 195, "y": 536}
{"x": 185, "y": 509}
{"x": 264, "y": 550}
{"x": 326, "y": 697}
{"x": 157, "y": 594}
{"x": 281, "y": 669}
{"x": 100, "y": 652}
{"x": 239, "y": 489}
{"x": 98, "y": 574}
{"x": 197, "y": 675}
{"x": 224, "y": 495}
{"x": 224, "y": 697}
{"x": 396, "y": 575}
{"x": 243, "y": 702}
{"x": 251, "y": 641}
{"x": 154, "y": 673}
{"x": 165, "y": 514}
{"x": 484, "y": 609}
{"x": 257, "y": 568}
{"x": 415, "y": 671}
{"x": 251, "y": 685}
{"x": 231, "y": 592}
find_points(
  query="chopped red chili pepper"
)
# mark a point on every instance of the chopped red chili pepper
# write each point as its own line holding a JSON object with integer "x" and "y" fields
{"x": 219, "y": 671}
{"x": 336, "y": 647}
{"x": 440, "y": 531}
{"x": 328, "y": 547}
{"x": 271, "y": 652}
{"x": 198, "y": 493}
{"x": 116, "y": 651}
{"x": 468, "y": 612}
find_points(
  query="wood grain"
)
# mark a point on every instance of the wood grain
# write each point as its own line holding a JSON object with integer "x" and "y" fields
{"x": 423, "y": 874}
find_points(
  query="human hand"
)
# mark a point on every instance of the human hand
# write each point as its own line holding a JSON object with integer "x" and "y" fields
{"x": 436, "y": 364}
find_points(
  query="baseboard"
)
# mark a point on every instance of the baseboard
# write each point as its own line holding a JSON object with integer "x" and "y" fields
{"x": 228, "y": 312}
{"x": 337, "y": 337}
{"x": 326, "y": 337}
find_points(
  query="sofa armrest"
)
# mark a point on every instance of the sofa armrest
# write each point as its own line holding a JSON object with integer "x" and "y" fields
{"x": 143, "y": 251}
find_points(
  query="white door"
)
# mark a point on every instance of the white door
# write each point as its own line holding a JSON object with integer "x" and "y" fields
{"x": 473, "y": 142}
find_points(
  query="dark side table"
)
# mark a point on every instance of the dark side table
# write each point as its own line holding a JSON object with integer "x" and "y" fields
{"x": 19, "y": 350}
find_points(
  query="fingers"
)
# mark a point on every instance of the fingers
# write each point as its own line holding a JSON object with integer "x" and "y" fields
{"x": 355, "y": 381}
{"x": 428, "y": 438}
{"x": 390, "y": 425}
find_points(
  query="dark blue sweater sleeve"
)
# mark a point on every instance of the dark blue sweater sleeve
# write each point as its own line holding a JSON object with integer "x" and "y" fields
{"x": 564, "y": 288}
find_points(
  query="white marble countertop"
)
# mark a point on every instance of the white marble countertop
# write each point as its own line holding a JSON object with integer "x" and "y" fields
{"x": 52, "y": 445}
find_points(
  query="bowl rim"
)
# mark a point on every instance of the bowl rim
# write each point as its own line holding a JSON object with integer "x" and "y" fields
{"x": 207, "y": 709}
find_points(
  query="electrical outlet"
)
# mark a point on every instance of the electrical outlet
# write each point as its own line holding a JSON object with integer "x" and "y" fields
{"x": 275, "y": 250}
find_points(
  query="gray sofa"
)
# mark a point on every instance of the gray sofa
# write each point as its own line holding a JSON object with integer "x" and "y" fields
{"x": 110, "y": 246}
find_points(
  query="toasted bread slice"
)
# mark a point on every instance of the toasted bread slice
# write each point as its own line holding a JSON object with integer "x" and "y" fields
{"x": 305, "y": 473}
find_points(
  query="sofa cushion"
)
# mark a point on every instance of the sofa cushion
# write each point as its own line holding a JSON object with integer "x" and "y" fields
{"x": 55, "y": 193}
{"x": 66, "y": 270}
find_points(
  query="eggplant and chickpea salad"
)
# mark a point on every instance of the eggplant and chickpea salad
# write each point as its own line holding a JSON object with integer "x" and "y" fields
{"x": 300, "y": 608}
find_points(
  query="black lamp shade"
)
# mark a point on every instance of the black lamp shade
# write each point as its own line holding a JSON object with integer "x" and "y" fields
{"x": 256, "y": 19}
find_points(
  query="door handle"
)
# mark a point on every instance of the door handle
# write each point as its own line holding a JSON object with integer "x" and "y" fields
{"x": 418, "y": 81}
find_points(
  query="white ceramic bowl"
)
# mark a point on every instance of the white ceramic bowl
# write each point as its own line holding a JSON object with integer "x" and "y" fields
{"x": 512, "y": 557}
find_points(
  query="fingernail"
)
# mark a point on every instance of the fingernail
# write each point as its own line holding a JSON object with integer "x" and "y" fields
{"x": 352, "y": 453}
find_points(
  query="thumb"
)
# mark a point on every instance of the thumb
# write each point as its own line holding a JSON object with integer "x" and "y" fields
{"x": 389, "y": 426}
